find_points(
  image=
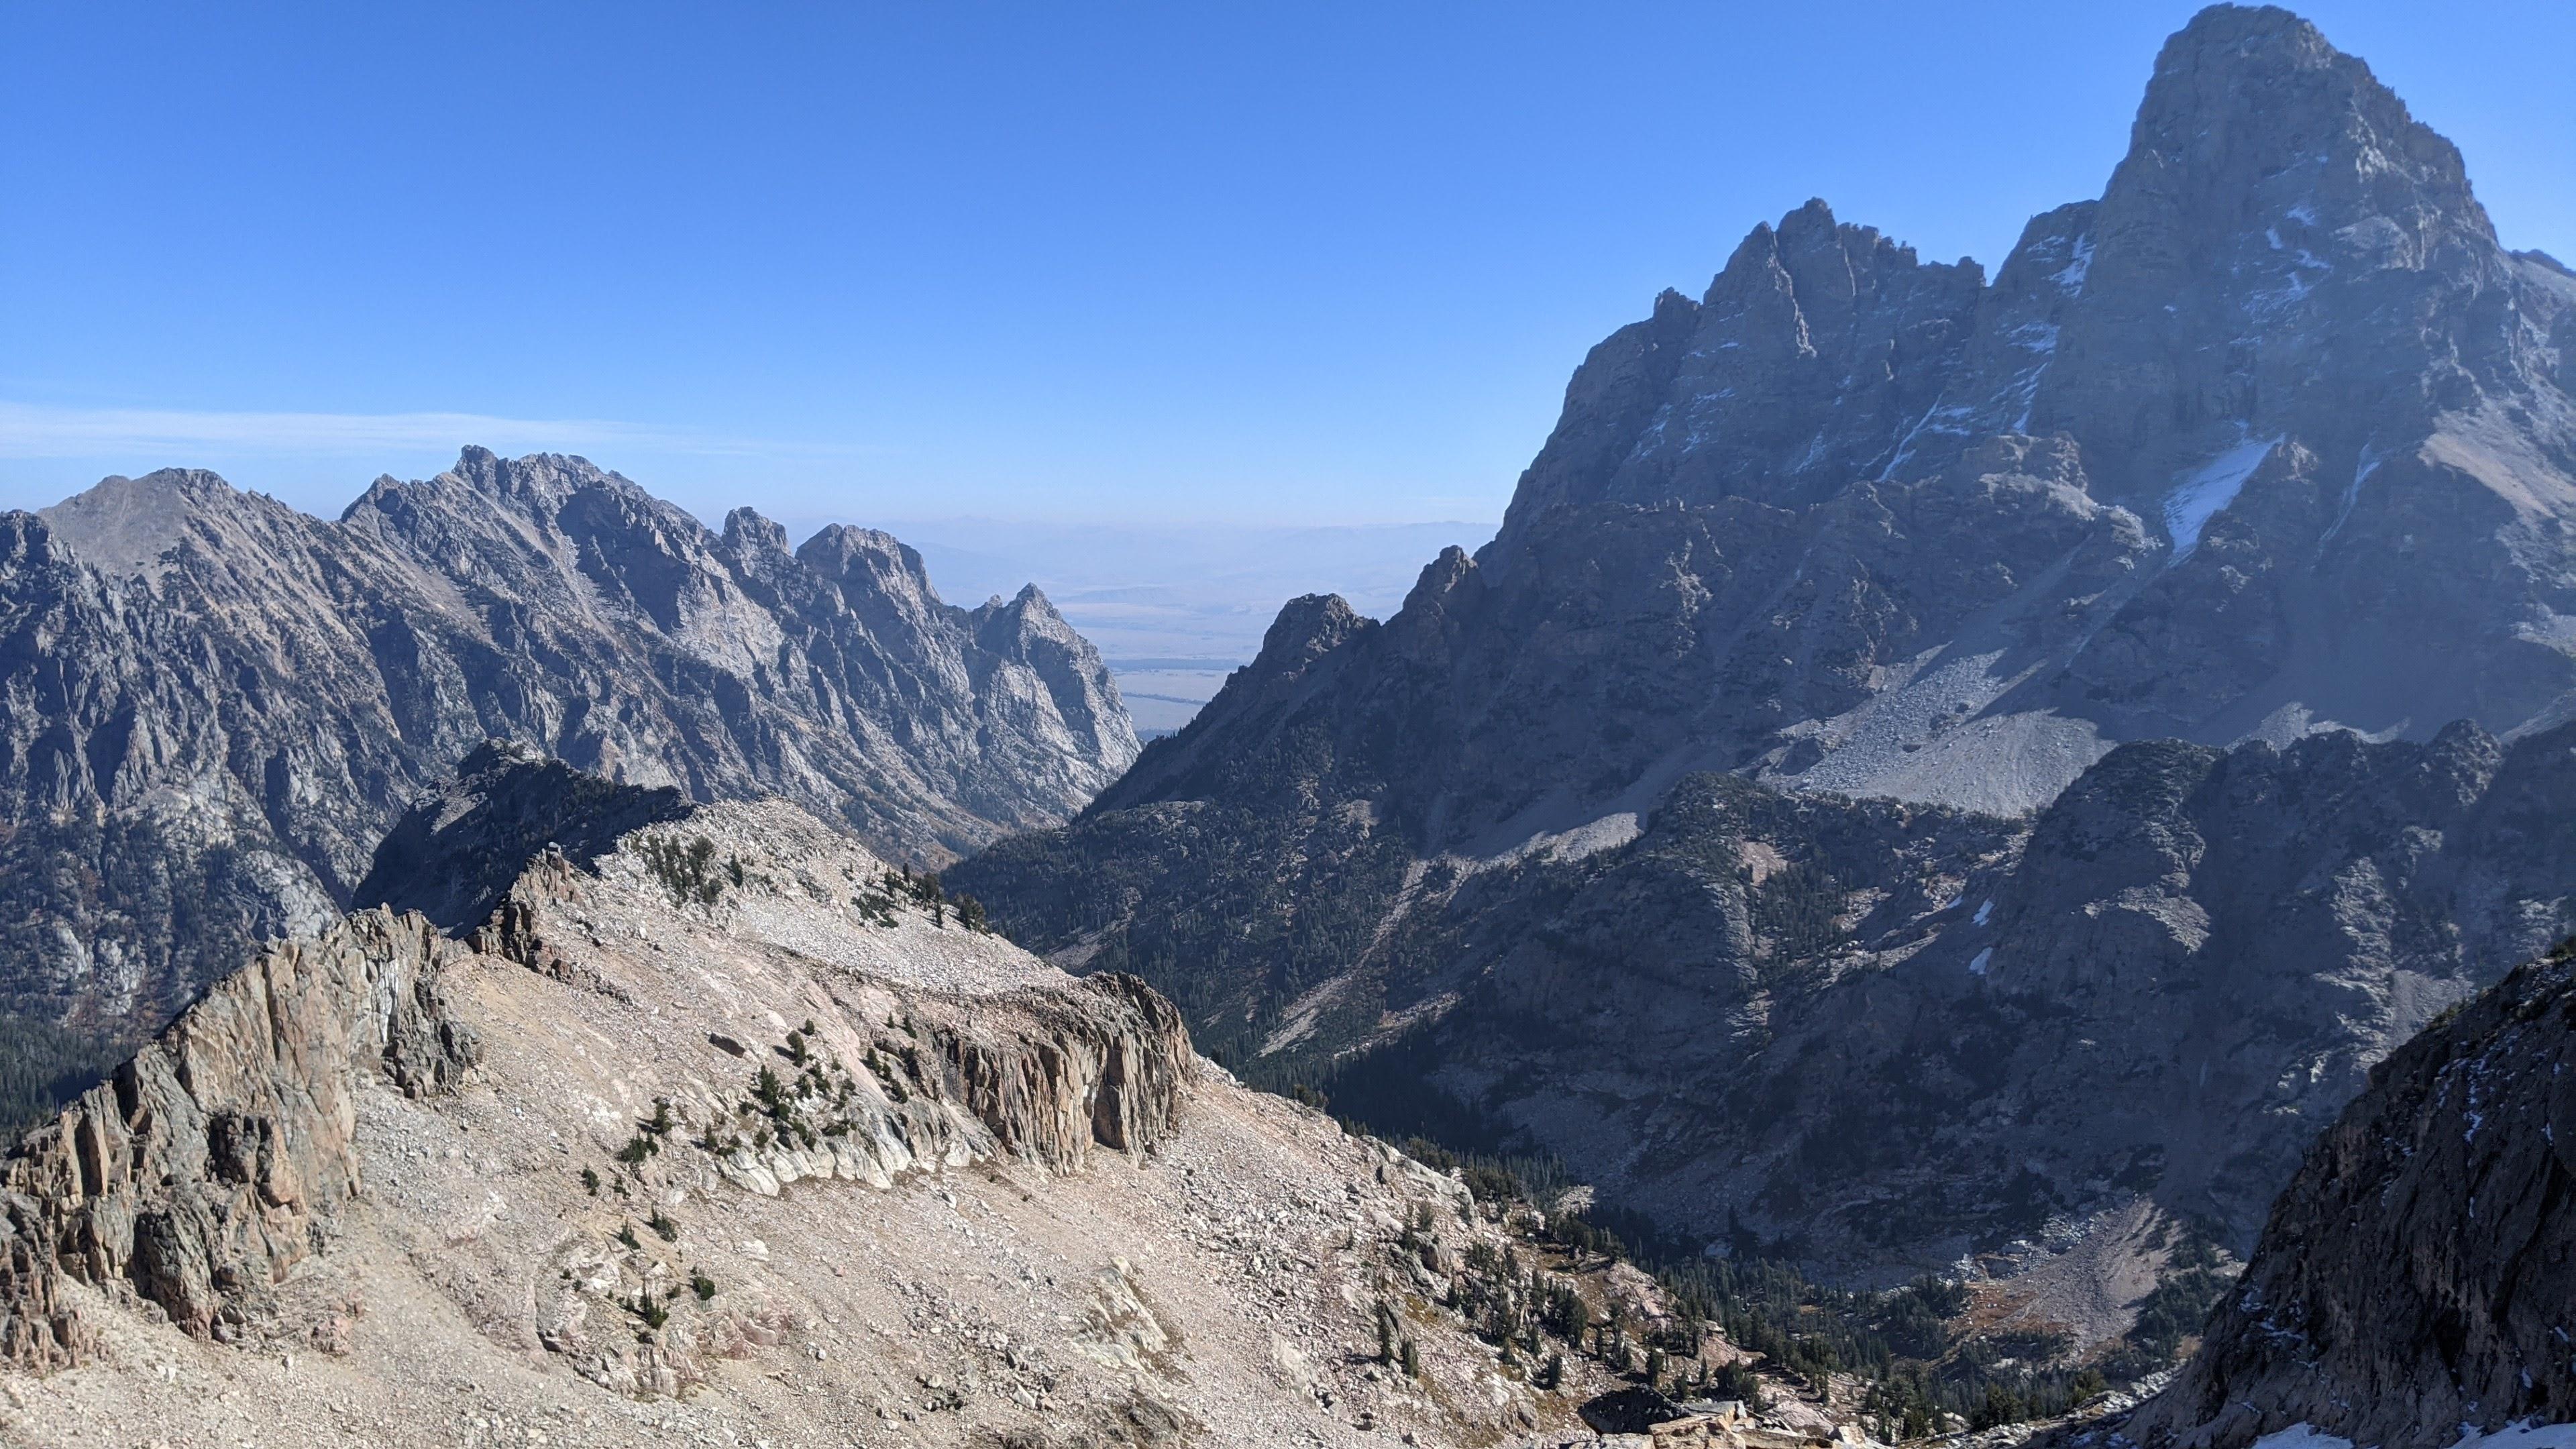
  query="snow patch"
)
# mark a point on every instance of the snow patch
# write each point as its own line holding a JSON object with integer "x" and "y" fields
{"x": 2302, "y": 1436}
{"x": 1905, "y": 446}
{"x": 2070, "y": 278}
{"x": 1977, "y": 967}
{"x": 2306, "y": 270}
{"x": 2040, "y": 337}
{"x": 2371, "y": 458}
{"x": 1983, "y": 912}
{"x": 2523, "y": 1434}
{"x": 2526, "y": 1434}
{"x": 2202, "y": 494}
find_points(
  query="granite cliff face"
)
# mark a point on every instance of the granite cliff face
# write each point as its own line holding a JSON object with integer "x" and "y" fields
{"x": 223, "y": 1154}
{"x": 212, "y": 706}
{"x": 2270, "y": 447}
{"x": 2412, "y": 1283}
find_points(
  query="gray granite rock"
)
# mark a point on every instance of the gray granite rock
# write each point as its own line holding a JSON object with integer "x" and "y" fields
{"x": 2412, "y": 1282}
{"x": 2080, "y": 587}
{"x": 212, "y": 706}
{"x": 224, "y": 1153}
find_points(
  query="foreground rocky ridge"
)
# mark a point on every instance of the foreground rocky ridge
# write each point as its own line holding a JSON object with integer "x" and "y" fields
{"x": 2274, "y": 436}
{"x": 2412, "y": 1283}
{"x": 730, "y": 1129}
{"x": 212, "y": 706}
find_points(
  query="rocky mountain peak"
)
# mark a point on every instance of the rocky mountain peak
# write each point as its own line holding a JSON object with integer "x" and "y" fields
{"x": 748, "y": 532}
{"x": 1308, "y": 627}
{"x": 539, "y": 485}
{"x": 2252, "y": 105}
{"x": 122, "y": 526}
{"x": 863, "y": 561}
{"x": 1441, "y": 578}
{"x": 1026, "y": 619}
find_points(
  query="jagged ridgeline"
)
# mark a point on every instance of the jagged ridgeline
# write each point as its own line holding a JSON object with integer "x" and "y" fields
{"x": 1898, "y": 777}
{"x": 212, "y": 706}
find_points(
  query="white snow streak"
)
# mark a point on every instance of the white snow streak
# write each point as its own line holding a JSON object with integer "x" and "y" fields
{"x": 2201, "y": 495}
{"x": 2070, "y": 278}
{"x": 2371, "y": 458}
{"x": 2301, "y": 1436}
{"x": 2525, "y": 1434}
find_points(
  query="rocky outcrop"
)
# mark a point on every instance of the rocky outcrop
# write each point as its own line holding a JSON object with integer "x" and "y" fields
{"x": 456, "y": 853}
{"x": 1041, "y": 1074}
{"x": 1111, "y": 1072}
{"x": 213, "y": 706}
{"x": 2412, "y": 1283}
{"x": 224, "y": 1153}
{"x": 2093, "y": 575}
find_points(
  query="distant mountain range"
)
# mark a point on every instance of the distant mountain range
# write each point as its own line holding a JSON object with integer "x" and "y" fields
{"x": 212, "y": 706}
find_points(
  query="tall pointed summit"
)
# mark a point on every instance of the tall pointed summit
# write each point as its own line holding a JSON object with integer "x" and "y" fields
{"x": 2272, "y": 446}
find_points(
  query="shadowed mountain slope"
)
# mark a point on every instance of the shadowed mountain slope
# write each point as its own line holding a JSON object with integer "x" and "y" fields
{"x": 2077, "y": 587}
{"x": 2411, "y": 1286}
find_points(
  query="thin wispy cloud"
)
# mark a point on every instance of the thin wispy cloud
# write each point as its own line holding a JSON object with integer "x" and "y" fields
{"x": 30, "y": 430}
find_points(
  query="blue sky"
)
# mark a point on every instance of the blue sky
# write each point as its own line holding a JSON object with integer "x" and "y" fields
{"x": 1310, "y": 263}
